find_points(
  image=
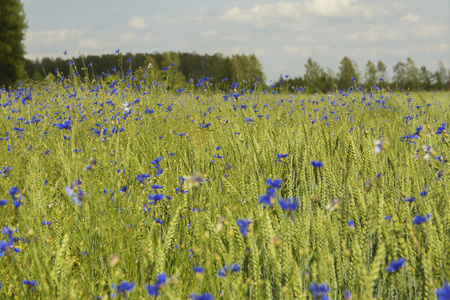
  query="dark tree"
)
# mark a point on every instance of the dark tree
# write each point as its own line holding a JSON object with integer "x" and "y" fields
{"x": 12, "y": 49}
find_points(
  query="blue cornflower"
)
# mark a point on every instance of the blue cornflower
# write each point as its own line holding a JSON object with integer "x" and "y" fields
{"x": 3, "y": 202}
{"x": 201, "y": 297}
{"x": 153, "y": 290}
{"x": 65, "y": 125}
{"x": 198, "y": 270}
{"x": 379, "y": 175}
{"x": 316, "y": 164}
{"x": 351, "y": 224}
{"x": 281, "y": 156}
{"x": 1, "y": 286}
{"x": 417, "y": 220}
{"x": 243, "y": 226}
{"x": 142, "y": 177}
{"x": 440, "y": 173}
{"x": 444, "y": 292}
{"x": 274, "y": 183}
{"x": 45, "y": 223}
{"x": 442, "y": 128}
{"x": 388, "y": 218}
{"x": 424, "y": 192}
{"x": 319, "y": 290}
{"x": 347, "y": 295}
{"x": 229, "y": 268}
{"x": 413, "y": 135}
{"x": 288, "y": 204}
{"x": 124, "y": 287}
{"x": 30, "y": 283}
{"x": 410, "y": 200}
{"x": 268, "y": 198}
{"x": 156, "y": 161}
{"x": 395, "y": 265}
{"x": 156, "y": 186}
{"x": 13, "y": 191}
{"x": 155, "y": 197}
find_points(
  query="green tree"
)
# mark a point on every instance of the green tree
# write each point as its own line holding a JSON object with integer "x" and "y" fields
{"x": 12, "y": 49}
{"x": 370, "y": 75}
{"x": 425, "y": 78}
{"x": 381, "y": 71}
{"x": 399, "y": 75}
{"x": 412, "y": 74}
{"x": 348, "y": 74}
{"x": 315, "y": 77}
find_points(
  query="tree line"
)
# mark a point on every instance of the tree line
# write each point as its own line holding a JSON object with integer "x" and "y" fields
{"x": 406, "y": 76}
{"x": 185, "y": 66}
{"x": 235, "y": 68}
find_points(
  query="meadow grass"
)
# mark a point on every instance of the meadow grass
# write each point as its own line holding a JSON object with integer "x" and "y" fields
{"x": 202, "y": 158}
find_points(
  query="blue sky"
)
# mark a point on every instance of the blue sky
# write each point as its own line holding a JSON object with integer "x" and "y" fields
{"x": 282, "y": 34}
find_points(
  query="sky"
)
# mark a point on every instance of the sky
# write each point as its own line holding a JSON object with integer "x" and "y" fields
{"x": 282, "y": 34}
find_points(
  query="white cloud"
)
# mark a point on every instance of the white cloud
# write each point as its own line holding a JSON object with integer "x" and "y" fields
{"x": 137, "y": 23}
{"x": 376, "y": 33}
{"x": 297, "y": 51}
{"x": 410, "y": 18}
{"x": 263, "y": 12}
{"x": 52, "y": 37}
{"x": 328, "y": 8}
{"x": 209, "y": 33}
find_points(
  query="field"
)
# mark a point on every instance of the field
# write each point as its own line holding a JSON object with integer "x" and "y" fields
{"x": 130, "y": 189}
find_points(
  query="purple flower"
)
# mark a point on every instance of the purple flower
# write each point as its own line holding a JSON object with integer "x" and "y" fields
{"x": 243, "y": 226}
{"x": 395, "y": 265}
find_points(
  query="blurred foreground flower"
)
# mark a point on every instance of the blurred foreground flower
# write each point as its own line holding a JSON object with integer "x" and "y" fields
{"x": 229, "y": 269}
{"x": 379, "y": 146}
{"x": 194, "y": 181}
{"x": 153, "y": 290}
{"x": 123, "y": 287}
{"x": 243, "y": 226}
{"x": 395, "y": 265}
{"x": 420, "y": 219}
{"x": 201, "y": 297}
{"x": 444, "y": 292}
{"x": 319, "y": 291}
{"x": 74, "y": 192}
{"x": 316, "y": 164}
{"x": 334, "y": 204}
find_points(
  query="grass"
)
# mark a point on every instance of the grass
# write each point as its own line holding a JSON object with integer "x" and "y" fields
{"x": 117, "y": 234}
